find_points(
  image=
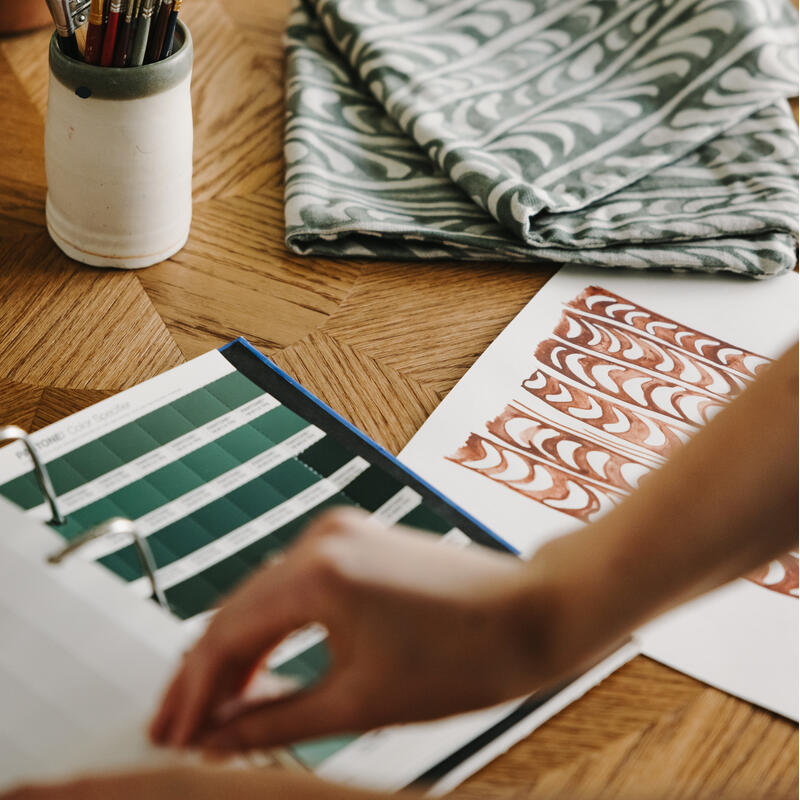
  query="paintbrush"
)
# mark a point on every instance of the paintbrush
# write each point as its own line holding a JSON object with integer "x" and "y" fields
{"x": 169, "y": 37}
{"x": 125, "y": 34}
{"x": 110, "y": 36}
{"x": 94, "y": 34}
{"x": 158, "y": 32}
{"x": 65, "y": 27}
{"x": 142, "y": 33}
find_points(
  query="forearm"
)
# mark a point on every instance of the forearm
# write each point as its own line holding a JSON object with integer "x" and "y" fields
{"x": 722, "y": 505}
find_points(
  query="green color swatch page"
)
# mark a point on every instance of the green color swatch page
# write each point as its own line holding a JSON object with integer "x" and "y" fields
{"x": 223, "y": 476}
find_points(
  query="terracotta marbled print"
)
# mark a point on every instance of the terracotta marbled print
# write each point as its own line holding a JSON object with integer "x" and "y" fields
{"x": 537, "y": 479}
{"x": 615, "y": 389}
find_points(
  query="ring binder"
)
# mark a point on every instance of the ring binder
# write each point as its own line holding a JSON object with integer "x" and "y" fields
{"x": 10, "y": 433}
{"x": 118, "y": 526}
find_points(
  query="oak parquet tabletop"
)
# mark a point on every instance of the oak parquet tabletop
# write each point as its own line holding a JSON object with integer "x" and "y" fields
{"x": 381, "y": 342}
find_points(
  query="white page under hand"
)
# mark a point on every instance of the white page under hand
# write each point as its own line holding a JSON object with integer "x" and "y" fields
{"x": 82, "y": 661}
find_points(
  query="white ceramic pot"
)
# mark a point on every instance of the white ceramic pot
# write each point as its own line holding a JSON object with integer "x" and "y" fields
{"x": 118, "y": 153}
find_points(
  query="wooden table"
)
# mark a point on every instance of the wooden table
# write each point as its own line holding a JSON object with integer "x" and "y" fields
{"x": 381, "y": 342}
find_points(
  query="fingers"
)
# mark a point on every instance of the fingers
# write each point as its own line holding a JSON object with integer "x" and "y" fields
{"x": 273, "y": 603}
{"x": 331, "y": 707}
{"x": 211, "y": 675}
{"x": 159, "y": 727}
{"x": 194, "y": 698}
{"x": 216, "y": 670}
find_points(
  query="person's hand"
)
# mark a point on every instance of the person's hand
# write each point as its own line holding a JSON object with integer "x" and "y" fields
{"x": 417, "y": 630}
{"x": 197, "y": 783}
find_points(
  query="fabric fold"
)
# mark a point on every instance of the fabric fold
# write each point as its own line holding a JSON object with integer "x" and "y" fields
{"x": 646, "y": 134}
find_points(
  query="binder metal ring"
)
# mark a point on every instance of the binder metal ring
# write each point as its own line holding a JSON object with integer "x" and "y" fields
{"x": 117, "y": 526}
{"x": 10, "y": 433}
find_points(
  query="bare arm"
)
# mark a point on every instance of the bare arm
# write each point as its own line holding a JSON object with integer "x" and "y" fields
{"x": 721, "y": 506}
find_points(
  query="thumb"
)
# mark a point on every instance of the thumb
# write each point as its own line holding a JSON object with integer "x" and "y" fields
{"x": 329, "y": 707}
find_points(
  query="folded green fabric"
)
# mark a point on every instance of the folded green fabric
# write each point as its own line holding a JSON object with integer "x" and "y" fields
{"x": 635, "y": 133}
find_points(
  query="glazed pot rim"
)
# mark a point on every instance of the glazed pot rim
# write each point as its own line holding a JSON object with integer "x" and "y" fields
{"x": 124, "y": 83}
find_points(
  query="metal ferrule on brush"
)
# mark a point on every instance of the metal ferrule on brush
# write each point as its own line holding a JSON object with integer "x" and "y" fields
{"x": 59, "y": 9}
{"x": 133, "y": 8}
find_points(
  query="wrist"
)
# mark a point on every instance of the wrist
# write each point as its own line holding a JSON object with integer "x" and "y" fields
{"x": 572, "y": 606}
{"x": 532, "y": 614}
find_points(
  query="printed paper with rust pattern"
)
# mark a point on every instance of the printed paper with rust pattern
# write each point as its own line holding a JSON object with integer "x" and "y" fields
{"x": 595, "y": 383}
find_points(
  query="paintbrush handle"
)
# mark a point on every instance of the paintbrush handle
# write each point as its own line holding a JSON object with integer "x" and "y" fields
{"x": 157, "y": 34}
{"x": 169, "y": 38}
{"x": 65, "y": 27}
{"x": 69, "y": 46}
{"x": 142, "y": 33}
{"x": 123, "y": 43}
{"x": 110, "y": 37}
{"x": 94, "y": 42}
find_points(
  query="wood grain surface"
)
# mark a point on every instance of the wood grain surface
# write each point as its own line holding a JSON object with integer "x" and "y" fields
{"x": 380, "y": 342}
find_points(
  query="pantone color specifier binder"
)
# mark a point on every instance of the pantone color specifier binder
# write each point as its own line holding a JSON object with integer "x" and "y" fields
{"x": 143, "y": 512}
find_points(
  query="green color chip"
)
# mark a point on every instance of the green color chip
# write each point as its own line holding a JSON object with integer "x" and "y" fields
{"x": 180, "y": 538}
{"x": 291, "y": 477}
{"x": 65, "y": 477}
{"x": 372, "y": 488}
{"x": 165, "y": 424}
{"x": 279, "y": 423}
{"x": 93, "y": 460}
{"x": 220, "y": 517}
{"x": 175, "y": 479}
{"x": 257, "y": 497}
{"x": 245, "y": 443}
{"x": 139, "y": 498}
{"x": 130, "y": 441}
{"x": 24, "y": 491}
{"x": 234, "y": 390}
{"x": 95, "y": 513}
{"x": 210, "y": 461}
{"x": 326, "y": 456}
{"x": 423, "y": 517}
{"x": 313, "y": 753}
{"x": 192, "y": 597}
{"x": 200, "y": 407}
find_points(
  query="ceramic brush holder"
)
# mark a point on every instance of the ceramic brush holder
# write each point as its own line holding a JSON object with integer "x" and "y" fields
{"x": 118, "y": 154}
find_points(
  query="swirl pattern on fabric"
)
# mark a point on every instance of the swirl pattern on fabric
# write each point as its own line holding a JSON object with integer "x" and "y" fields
{"x": 637, "y": 133}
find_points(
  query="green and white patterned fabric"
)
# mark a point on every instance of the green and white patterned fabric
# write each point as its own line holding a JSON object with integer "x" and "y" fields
{"x": 636, "y": 133}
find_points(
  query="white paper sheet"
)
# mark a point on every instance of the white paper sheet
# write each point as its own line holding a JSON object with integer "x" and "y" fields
{"x": 82, "y": 661}
{"x": 740, "y": 638}
{"x": 757, "y": 316}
